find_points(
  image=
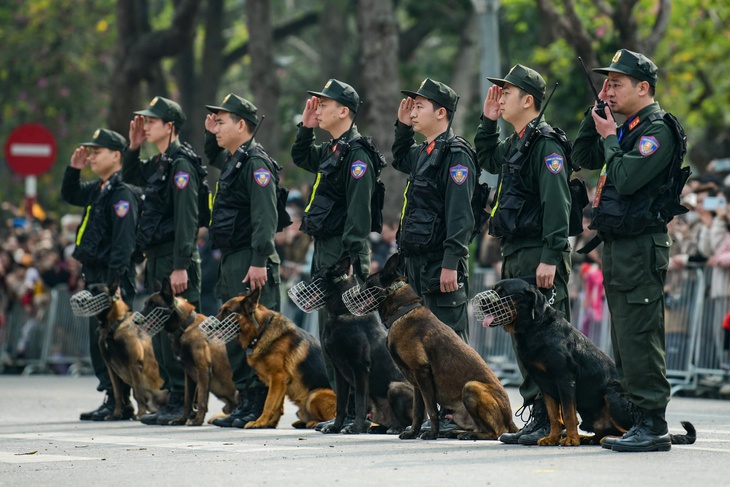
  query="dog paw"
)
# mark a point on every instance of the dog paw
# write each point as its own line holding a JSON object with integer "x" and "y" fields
{"x": 394, "y": 430}
{"x": 352, "y": 429}
{"x": 570, "y": 441}
{"x": 379, "y": 429}
{"x": 548, "y": 441}
{"x": 299, "y": 424}
{"x": 408, "y": 435}
{"x": 429, "y": 435}
{"x": 194, "y": 422}
{"x": 330, "y": 429}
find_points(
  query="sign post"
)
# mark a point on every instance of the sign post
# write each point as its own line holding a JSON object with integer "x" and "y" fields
{"x": 30, "y": 151}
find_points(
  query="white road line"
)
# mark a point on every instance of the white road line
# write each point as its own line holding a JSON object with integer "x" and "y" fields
{"x": 154, "y": 442}
{"x": 30, "y": 150}
{"x": 15, "y": 458}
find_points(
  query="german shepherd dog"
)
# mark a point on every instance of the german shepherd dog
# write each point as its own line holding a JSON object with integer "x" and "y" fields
{"x": 441, "y": 367}
{"x": 206, "y": 366}
{"x": 129, "y": 357}
{"x": 286, "y": 358}
{"x": 357, "y": 347}
{"x": 574, "y": 375}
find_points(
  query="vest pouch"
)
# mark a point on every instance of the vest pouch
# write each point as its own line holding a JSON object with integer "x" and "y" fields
{"x": 221, "y": 229}
{"x": 317, "y": 221}
{"x": 419, "y": 228}
{"x": 610, "y": 214}
{"x": 504, "y": 222}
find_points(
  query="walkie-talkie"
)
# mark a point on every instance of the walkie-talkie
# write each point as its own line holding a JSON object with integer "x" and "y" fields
{"x": 601, "y": 105}
{"x": 242, "y": 151}
{"x": 343, "y": 145}
{"x": 530, "y": 131}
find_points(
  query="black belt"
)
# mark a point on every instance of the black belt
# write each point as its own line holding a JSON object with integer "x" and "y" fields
{"x": 602, "y": 237}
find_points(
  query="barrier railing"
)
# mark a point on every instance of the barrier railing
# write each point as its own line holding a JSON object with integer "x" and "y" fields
{"x": 54, "y": 340}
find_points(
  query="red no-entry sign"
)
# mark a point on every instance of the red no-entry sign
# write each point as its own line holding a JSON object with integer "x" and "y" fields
{"x": 30, "y": 150}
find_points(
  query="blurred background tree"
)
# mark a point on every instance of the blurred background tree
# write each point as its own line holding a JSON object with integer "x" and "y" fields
{"x": 75, "y": 65}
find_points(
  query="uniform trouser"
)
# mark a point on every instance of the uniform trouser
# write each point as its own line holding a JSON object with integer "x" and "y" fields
{"x": 158, "y": 267}
{"x": 424, "y": 275}
{"x": 232, "y": 270}
{"x": 634, "y": 270}
{"x": 95, "y": 275}
{"x": 327, "y": 251}
{"x": 523, "y": 263}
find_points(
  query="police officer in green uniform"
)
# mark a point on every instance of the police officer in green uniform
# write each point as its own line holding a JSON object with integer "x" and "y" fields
{"x": 531, "y": 208}
{"x": 635, "y": 161}
{"x": 105, "y": 240}
{"x": 243, "y": 226}
{"x": 168, "y": 226}
{"x": 437, "y": 221}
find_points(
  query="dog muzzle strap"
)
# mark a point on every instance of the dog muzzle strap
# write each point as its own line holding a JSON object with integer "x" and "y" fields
{"x": 492, "y": 309}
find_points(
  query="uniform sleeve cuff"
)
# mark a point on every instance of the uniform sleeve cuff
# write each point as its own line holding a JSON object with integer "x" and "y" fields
{"x": 552, "y": 257}
{"x": 489, "y": 125}
{"x": 450, "y": 262}
{"x": 258, "y": 260}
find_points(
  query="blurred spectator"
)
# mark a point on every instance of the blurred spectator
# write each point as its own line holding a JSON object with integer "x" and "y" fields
{"x": 382, "y": 245}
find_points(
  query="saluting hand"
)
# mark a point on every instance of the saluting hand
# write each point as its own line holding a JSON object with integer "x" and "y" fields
{"x": 210, "y": 122}
{"x": 404, "y": 111}
{"x": 491, "y": 103}
{"x": 309, "y": 116}
{"x": 136, "y": 132}
{"x": 79, "y": 159}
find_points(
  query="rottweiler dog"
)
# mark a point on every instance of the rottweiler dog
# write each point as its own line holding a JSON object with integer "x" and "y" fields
{"x": 357, "y": 347}
{"x": 441, "y": 367}
{"x": 286, "y": 358}
{"x": 206, "y": 366}
{"x": 573, "y": 374}
{"x": 129, "y": 357}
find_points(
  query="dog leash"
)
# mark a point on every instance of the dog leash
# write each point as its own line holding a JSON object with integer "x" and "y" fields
{"x": 252, "y": 343}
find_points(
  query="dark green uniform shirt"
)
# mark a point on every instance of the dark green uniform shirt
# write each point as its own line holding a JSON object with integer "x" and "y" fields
{"x": 408, "y": 158}
{"x": 308, "y": 155}
{"x": 184, "y": 200}
{"x": 540, "y": 179}
{"x": 262, "y": 199}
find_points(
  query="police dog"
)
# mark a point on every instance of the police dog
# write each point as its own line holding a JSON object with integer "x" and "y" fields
{"x": 441, "y": 367}
{"x": 357, "y": 347}
{"x": 206, "y": 365}
{"x": 286, "y": 358}
{"x": 129, "y": 357}
{"x": 573, "y": 374}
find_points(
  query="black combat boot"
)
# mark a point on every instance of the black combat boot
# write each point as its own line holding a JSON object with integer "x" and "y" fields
{"x": 242, "y": 409}
{"x": 173, "y": 410}
{"x": 649, "y": 433}
{"x": 106, "y": 408}
{"x": 257, "y": 397}
{"x": 537, "y": 427}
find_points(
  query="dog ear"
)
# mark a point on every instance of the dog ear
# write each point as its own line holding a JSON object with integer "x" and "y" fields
{"x": 251, "y": 301}
{"x": 539, "y": 303}
{"x": 113, "y": 285}
{"x": 392, "y": 267}
{"x": 166, "y": 290}
{"x": 156, "y": 286}
{"x": 343, "y": 265}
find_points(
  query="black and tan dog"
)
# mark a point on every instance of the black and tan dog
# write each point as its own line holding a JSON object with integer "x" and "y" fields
{"x": 573, "y": 374}
{"x": 286, "y": 358}
{"x": 357, "y": 347}
{"x": 127, "y": 352}
{"x": 441, "y": 367}
{"x": 206, "y": 366}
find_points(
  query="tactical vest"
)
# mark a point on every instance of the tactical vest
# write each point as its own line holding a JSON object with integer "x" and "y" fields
{"x": 157, "y": 225}
{"x": 650, "y": 208}
{"x": 94, "y": 235}
{"x": 230, "y": 227}
{"x": 423, "y": 222}
{"x": 517, "y": 209}
{"x": 326, "y": 213}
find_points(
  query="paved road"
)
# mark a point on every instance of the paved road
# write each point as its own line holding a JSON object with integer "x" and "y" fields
{"x": 43, "y": 443}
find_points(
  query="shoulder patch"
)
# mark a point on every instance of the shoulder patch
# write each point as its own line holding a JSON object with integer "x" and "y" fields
{"x": 648, "y": 145}
{"x": 358, "y": 169}
{"x": 459, "y": 173}
{"x": 262, "y": 176}
{"x": 554, "y": 162}
{"x": 181, "y": 179}
{"x": 121, "y": 208}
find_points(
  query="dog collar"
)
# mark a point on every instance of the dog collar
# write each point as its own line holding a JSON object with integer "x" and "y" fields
{"x": 401, "y": 312}
{"x": 339, "y": 279}
{"x": 181, "y": 329}
{"x": 118, "y": 322}
{"x": 252, "y": 344}
{"x": 395, "y": 286}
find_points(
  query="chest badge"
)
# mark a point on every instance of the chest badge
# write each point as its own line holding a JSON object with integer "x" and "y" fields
{"x": 459, "y": 173}
{"x": 554, "y": 162}
{"x": 358, "y": 169}
{"x": 648, "y": 145}
{"x": 262, "y": 177}
{"x": 182, "y": 179}
{"x": 121, "y": 208}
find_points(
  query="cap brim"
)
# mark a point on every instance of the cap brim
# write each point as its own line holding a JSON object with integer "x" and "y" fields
{"x": 318, "y": 93}
{"x": 498, "y": 81}
{"x": 91, "y": 144}
{"x": 605, "y": 71}
{"x": 214, "y": 109}
{"x": 412, "y": 94}
{"x": 146, "y": 113}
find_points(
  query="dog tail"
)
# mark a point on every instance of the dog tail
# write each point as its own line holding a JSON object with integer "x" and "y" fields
{"x": 687, "y": 439}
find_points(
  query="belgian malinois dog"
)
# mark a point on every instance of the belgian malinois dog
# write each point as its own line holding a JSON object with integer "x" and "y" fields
{"x": 206, "y": 365}
{"x": 286, "y": 358}
{"x": 357, "y": 347}
{"x": 129, "y": 357}
{"x": 441, "y": 367}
